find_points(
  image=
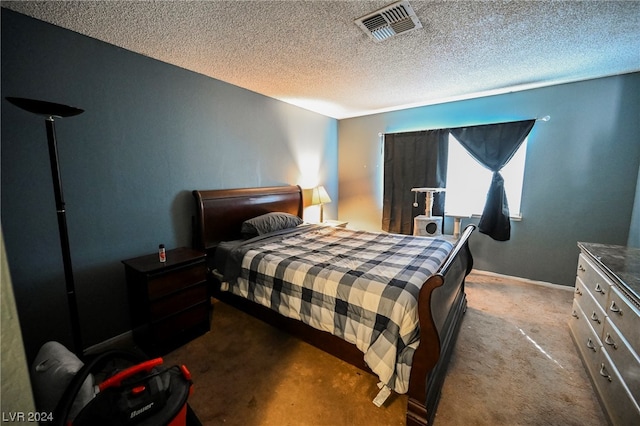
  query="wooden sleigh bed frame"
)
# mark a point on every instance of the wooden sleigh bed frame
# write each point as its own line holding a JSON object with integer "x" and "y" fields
{"x": 441, "y": 305}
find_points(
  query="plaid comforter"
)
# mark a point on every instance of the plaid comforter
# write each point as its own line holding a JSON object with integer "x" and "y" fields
{"x": 360, "y": 286}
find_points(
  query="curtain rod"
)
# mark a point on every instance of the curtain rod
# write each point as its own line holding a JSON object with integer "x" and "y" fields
{"x": 545, "y": 118}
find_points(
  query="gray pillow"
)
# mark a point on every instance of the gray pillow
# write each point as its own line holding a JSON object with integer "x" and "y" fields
{"x": 51, "y": 373}
{"x": 269, "y": 222}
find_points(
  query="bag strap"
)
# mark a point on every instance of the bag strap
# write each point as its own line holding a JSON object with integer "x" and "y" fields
{"x": 117, "y": 379}
{"x": 61, "y": 411}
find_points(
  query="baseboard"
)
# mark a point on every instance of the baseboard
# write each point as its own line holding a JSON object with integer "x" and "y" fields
{"x": 122, "y": 340}
{"x": 523, "y": 280}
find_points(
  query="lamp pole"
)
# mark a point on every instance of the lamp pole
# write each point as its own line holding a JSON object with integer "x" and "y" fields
{"x": 50, "y": 110}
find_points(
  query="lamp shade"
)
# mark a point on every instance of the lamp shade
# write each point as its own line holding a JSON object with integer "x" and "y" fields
{"x": 44, "y": 108}
{"x": 319, "y": 196}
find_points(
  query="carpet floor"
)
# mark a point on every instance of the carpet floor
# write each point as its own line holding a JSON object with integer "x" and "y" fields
{"x": 514, "y": 363}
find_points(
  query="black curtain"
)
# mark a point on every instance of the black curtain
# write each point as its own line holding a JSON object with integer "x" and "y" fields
{"x": 493, "y": 145}
{"x": 412, "y": 159}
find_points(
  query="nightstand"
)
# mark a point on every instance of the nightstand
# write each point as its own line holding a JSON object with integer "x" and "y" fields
{"x": 335, "y": 223}
{"x": 169, "y": 302}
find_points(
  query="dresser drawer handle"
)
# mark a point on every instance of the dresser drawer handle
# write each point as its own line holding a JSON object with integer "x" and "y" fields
{"x": 594, "y": 317}
{"x": 575, "y": 314}
{"x": 581, "y": 268}
{"x": 614, "y": 308}
{"x": 603, "y": 372}
{"x": 599, "y": 289}
{"x": 609, "y": 341}
{"x": 578, "y": 292}
{"x": 590, "y": 344}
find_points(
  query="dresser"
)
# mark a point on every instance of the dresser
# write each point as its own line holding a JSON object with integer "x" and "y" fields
{"x": 168, "y": 301}
{"x": 605, "y": 326}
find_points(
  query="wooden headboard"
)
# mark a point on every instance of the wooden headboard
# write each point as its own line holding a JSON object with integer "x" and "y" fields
{"x": 220, "y": 212}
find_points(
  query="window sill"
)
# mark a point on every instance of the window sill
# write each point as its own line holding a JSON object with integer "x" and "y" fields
{"x": 517, "y": 218}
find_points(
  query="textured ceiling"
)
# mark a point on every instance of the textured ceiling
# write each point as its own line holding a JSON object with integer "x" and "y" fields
{"x": 311, "y": 54}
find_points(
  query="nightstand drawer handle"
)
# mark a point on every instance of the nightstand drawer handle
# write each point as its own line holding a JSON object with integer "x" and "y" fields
{"x": 575, "y": 314}
{"x": 590, "y": 344}
{"x": 578, "y": 292}
{"x": 614, "y": 308}
{"x": 595, "y": 318}
{"x": 609, "y": 341}
{"x": 603, "y": 372}
{"x": 599, "y": 289}
{"x": 581, "y": 268}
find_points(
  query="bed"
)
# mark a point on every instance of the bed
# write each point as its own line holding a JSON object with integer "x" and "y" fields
{"x": 265, "y": 271}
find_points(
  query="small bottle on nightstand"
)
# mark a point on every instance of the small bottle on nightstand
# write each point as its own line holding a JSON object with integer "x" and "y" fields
{"x": 162, "y": 254}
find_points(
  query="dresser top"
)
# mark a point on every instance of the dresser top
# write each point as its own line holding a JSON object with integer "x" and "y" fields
{"x": 621, "y": 263}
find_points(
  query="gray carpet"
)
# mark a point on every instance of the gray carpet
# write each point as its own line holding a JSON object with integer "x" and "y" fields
{"x": 514, "y": 364}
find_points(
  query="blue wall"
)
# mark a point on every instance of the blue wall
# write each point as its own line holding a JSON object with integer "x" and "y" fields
{"x": 151, "y": 134}
{"x": 580, "y": 175}
{"x": 634, "y": 231}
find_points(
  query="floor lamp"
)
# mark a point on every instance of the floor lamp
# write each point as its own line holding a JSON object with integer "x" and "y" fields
{"x": 50, "y": 111}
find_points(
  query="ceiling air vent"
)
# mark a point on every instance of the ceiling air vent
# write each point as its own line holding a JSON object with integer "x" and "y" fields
{"x": 397, "y": 18}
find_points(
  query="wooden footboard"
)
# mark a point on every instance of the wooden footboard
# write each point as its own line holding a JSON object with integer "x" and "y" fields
{"x": 441, "y": 303}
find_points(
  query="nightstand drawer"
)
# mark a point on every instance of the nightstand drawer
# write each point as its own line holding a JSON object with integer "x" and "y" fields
{"x": 170, "y": 327}
{"x": 188, "y": 297}
{"x": 173, "y": 281}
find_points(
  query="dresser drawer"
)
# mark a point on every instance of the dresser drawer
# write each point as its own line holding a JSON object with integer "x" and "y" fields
{"x": 586, "y": 341}
{"x": 624, "y": 358}
{"x": 593, "y": 280}
{"x": 591, "y": 308}
{"x": 620, "y": 405}
{"x": 614, "y": 368}
{"x": 626, "y": 318}
{"x": 170, "y": 282}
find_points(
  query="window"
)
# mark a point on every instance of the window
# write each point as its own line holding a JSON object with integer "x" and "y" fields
{"x": 468, "y": 181}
